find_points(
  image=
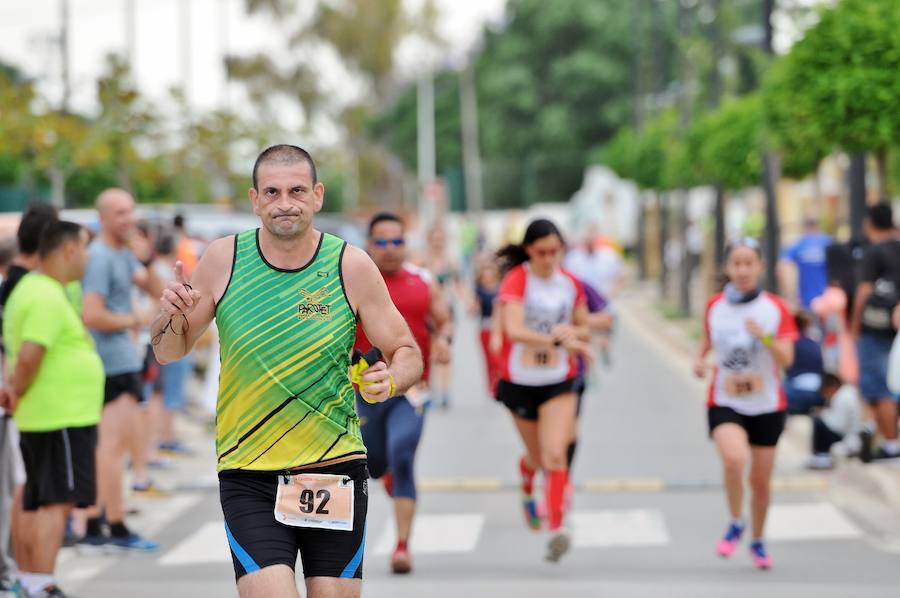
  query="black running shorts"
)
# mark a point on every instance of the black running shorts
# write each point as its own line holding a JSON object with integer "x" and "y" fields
{"x": 60, "y": 467}
{"x": 762, "y": 430}
{"x": 524, "y": 401}
{"x": 131, "y": 383}
{"x": 257, "y": 540}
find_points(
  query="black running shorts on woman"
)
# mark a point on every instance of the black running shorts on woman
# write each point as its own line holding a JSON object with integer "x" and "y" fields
{"x": 257, "y": 540}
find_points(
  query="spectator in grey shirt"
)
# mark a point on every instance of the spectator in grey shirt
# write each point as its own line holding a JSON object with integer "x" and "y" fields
{"x": 117, "y": 261}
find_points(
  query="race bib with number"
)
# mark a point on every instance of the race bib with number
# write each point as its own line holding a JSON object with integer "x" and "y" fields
{"x": 540, "y": 358}
{"x": 742, "y": 385}
{"x": 315, "y": 500}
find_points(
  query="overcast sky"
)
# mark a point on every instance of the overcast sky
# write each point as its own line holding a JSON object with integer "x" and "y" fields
{"x": 98, "y": 27}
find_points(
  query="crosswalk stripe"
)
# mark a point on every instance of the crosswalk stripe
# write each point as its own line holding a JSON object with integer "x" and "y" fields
{"x": 436, "y": 534}
{"x": 620, "y": 527}
{"x": 809, "y": 521}
{"x": 206, "y": 545}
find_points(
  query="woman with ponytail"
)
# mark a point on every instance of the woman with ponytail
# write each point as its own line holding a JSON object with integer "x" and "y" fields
{"x": 544, "y": 324}
{"x": 752, "y": 334}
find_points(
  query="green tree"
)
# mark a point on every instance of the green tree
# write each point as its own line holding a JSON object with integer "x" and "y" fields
{"x": 849, "y": 64}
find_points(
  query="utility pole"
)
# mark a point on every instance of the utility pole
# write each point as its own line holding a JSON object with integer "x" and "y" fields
{"x": 468, "y": 103}
{"x": 425, "y": 163}
{"x": 771, "y": 172}
{"x": 857, "y": 181}
{"x": 130, "y": 34}
{"x": 64, "y": 55}
{"x": 185, "y": 49}
{"x": 224, "y": 50}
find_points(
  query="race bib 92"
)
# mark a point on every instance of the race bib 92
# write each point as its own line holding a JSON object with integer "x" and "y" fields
{"x": 315, "y": 500}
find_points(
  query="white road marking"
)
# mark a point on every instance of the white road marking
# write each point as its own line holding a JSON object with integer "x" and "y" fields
{"x": 435, "y": 534}
{"x": 206, "y": 545}
{"x": 809, "y": 521}
{"x": 628, "y": 527}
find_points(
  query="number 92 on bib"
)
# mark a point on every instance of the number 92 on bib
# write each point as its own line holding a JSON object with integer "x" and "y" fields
{"x": 315, "y": 500}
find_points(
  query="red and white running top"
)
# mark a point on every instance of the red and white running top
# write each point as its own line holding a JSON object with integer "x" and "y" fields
{"x": 547, "y": 302}
{"x": 746, "y": 377}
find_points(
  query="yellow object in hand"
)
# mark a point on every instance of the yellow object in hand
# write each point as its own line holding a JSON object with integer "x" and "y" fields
{"x": 359, "y": 364}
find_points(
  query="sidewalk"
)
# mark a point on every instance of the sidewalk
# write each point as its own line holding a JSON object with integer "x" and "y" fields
{"x": 850, "y": 479}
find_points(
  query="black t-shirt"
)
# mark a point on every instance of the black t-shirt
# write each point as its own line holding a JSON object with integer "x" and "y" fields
{"x": 13, "y": 276}
{"x": 881, "y": 264}
{"x": 843, "y": 261}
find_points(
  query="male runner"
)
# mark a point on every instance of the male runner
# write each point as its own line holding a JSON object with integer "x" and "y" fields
{"x": 286, "y": 299}
{"x": 391, "y": 430}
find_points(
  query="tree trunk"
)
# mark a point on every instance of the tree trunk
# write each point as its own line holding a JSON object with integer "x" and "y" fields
{"x": 719, "y": 236}
{"x": 57, "y": 178}
{"x": 642, "y": 238}
{"x": 773, "y": 230}
{"x": 883, "y": 182}
{"x": 857, "y": 183}
{"x": 663, "y": 239}
{"x": 684, "y": 295}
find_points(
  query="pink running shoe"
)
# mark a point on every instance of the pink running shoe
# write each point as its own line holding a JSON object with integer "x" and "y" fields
{"x": 761, "y": 559}
{"x": 727, "y": 545}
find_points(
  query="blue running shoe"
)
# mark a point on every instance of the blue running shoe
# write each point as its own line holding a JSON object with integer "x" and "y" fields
{"x": 729, "y": 543}
{"x": 88, "y": 545}
{"x": 761, "y": 559}
{"x": 133, "y": 542}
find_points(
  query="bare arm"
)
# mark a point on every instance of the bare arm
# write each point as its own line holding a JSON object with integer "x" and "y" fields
{"x": 439, "y": 314}
{"x": 700, "y": 363}
{"x": 97, "y": 317}
{"x": 187, "y": 308}
{"x": 384, "y": 327}
{"x": 27, "y": 365}
{"x": 513, "y": 315}
{"x": 784, "y": 271}
{"x": 782, "y": 352}
{"x": 863, "y": 293}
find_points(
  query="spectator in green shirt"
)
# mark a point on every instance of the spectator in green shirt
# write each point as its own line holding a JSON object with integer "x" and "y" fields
{"x": 56, "y": 394}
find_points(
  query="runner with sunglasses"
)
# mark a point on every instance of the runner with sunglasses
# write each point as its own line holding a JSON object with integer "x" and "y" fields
{"x": 391, "y": 430}
{"x": 752, "y": 333}
{"x": 545, "y": 326}
{"x": 287, "y": 300}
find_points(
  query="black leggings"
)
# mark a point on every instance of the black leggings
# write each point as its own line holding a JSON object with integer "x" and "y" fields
{"x": 823, "y": 437}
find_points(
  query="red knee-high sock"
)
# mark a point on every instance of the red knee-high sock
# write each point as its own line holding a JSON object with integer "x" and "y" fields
{"x": 527, "y": 476}
{"x": 556, "y": 481}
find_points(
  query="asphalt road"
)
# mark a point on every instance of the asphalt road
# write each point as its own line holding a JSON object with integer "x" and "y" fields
{"x": 648, "y": 508}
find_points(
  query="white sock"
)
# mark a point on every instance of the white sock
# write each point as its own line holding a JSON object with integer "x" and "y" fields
{"x": 891, "y": 446}
{"x": 35, "y": 582}
{"x": 738, "y": 522}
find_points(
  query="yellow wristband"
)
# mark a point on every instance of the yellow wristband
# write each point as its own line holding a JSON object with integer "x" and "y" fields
{"x": 767, "y": 340}
{"x": 393, "y": 390}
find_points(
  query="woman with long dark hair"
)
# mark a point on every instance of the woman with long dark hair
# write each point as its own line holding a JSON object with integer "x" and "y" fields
{"x": 752, "y": 333}
{"x": 544, "y": 323}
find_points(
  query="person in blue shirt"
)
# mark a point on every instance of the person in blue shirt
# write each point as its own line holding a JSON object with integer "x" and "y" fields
{"x": 807, "y": 254}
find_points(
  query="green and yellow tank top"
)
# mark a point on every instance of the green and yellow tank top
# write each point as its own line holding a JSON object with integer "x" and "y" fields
{"x": 285, "y": 398}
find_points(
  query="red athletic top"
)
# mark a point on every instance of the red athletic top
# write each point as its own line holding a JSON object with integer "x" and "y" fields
{"x": 411, "y": 294}
{"x": 746, "y": 377}
{"x": 547, "y": 302}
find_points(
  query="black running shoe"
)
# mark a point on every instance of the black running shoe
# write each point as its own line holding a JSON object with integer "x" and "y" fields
{"x": 865, "y": 446}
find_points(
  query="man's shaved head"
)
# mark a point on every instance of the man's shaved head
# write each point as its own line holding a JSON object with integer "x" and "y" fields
{"x": 112, "y": 198}
{"x": 115, "y": 207}
{"x": 284, "y": 155}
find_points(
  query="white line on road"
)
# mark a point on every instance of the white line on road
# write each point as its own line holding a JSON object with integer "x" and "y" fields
{"x": 809, "y": 521}
{"x": 206, "y": 545}
{"x": 629, "y": 527}
{"x": 436, "y": 534}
